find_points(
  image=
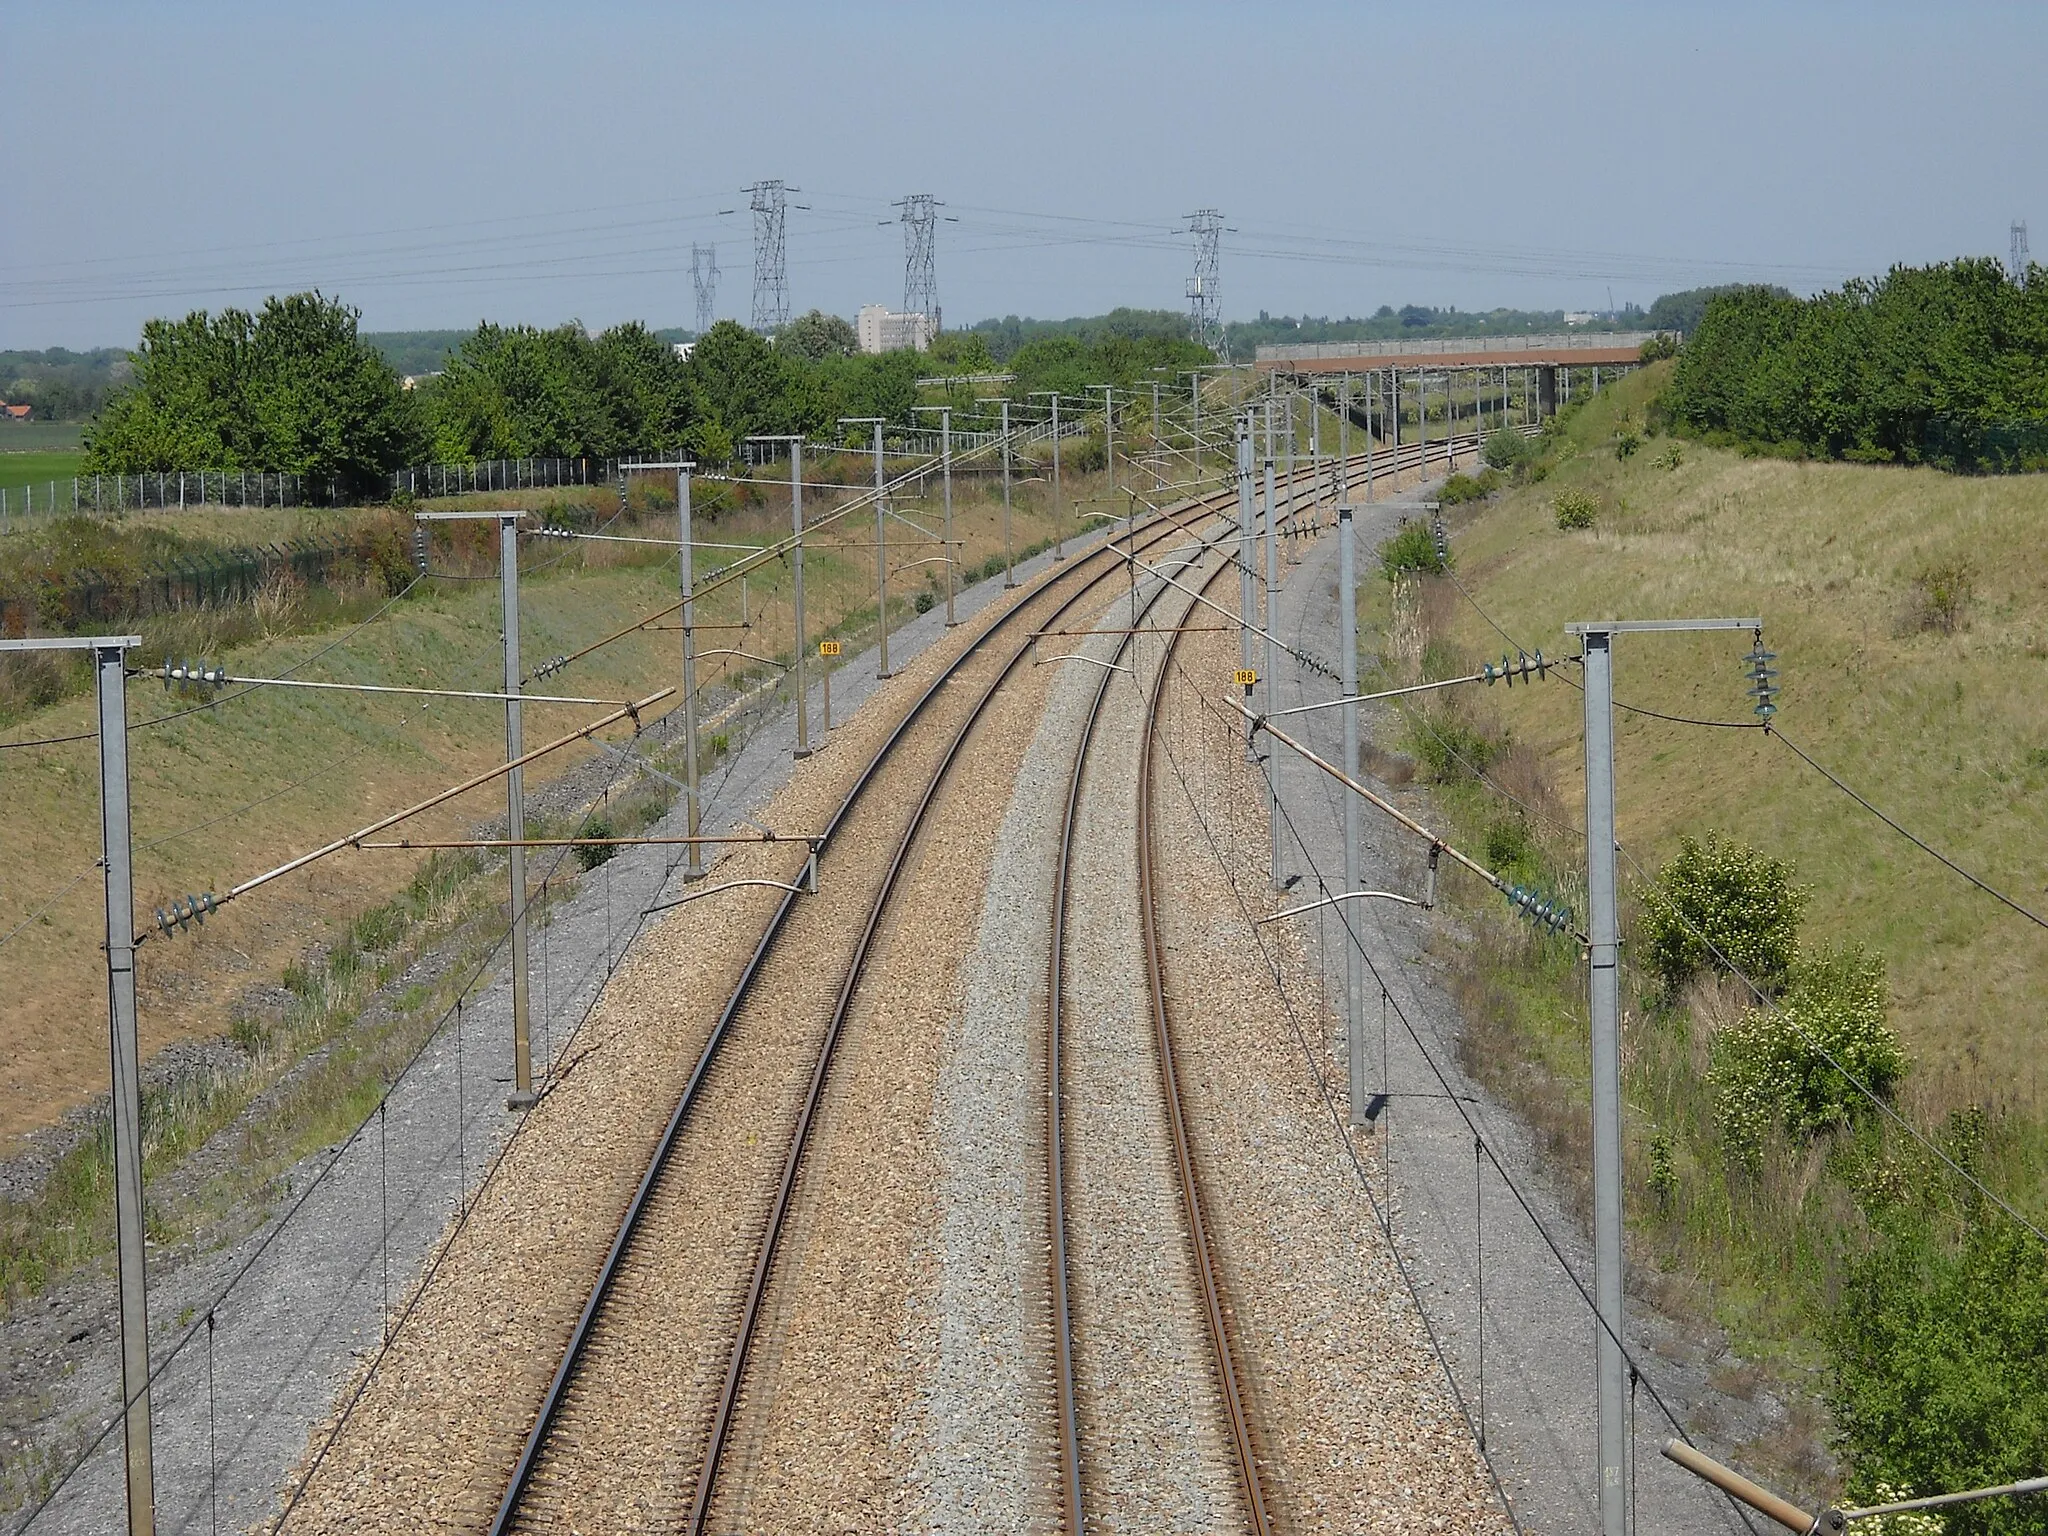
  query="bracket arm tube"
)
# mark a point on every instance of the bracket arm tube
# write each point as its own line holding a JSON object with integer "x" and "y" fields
{"x": 476, "y": 782}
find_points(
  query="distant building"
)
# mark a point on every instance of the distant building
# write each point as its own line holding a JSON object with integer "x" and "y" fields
{"x": 1578, "y": 317}
{"x": 882, "y": 329}
{"x": 415, "y": 380}
{"x": 17, "y": 412}
{"x": 683, "y": 349}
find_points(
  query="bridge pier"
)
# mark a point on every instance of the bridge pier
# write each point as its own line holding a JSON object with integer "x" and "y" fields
{"x": 1546, "y": 391}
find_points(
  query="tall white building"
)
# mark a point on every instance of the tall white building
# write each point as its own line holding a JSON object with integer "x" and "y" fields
{"x": 882, "y": 329}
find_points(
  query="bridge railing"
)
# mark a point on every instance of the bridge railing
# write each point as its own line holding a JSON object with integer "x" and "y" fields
{"x": 1567, "y": 341}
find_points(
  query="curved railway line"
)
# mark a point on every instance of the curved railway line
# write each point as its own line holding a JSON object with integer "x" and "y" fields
{"x": 695, "y": 1257}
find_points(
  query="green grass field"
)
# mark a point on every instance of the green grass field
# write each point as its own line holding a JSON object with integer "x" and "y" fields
{"x": 41, "y": 436}
{"x": 19, "y": 469}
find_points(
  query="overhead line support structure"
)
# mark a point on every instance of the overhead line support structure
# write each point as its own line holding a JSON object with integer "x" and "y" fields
{"x": 945, "y": 413}
{"x": 796, "y": 569}
{"x": 522, "y": 1095}
{"x": 109, "y": 660}
{"x": 882, "y": 672}
{"x": 1603, "y": 976}
{"x": 693, "y": 864}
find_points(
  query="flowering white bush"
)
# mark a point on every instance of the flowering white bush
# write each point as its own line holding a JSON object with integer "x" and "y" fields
{"x": 1773, "y": 1067}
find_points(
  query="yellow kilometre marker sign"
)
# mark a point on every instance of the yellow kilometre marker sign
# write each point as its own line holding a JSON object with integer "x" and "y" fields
{"x": 828, "y": 647}
{"x": 1244, "y": 677}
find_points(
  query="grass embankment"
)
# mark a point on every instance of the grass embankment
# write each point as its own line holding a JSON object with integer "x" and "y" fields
{"x": 1943, "y": 728}
{"x": 231, "y": 790}
{"x": 37, "y": 467}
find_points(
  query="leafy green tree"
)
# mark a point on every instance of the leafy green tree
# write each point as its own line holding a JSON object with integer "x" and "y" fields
{"x": 960, "y": 352}
{"x": 294, "y": 388}
{"x": 184, "y": 408}
{"x": 322, "y": 402}
{"x": 817, "y": 335}
{"x": 1944, "y": 364}
{"x": 740, "y": 386}
{"x": 644, "y": 388}
{"x": 1939, "y": 1349}
{"x": 514, "y": 391}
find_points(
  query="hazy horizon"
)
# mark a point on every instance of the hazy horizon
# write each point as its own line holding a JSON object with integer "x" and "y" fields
{"x": 519, "y": 163}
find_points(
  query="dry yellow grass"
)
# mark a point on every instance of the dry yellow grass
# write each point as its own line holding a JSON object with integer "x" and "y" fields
{"x": 1947, "y": 732}
{"x": 235, "y": 790}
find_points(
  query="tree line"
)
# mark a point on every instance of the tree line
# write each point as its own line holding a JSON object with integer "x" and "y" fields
{"x": 295, "y": 387}
{"x": 1946, "y": 365}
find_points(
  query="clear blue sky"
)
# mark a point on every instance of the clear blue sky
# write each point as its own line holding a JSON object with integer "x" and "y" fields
{"x": 438, "y": 163}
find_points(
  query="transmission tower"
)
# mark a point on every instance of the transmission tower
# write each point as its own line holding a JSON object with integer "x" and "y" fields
{"x": 1205, "y": 305}
{"x": 2019, "y": 250}
{"x": 920, "y": 215}
{"x": 704, "y": 277}
{"x": 771, "y": 271}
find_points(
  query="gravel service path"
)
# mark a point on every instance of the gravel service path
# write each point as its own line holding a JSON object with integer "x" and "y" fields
{"x": 1538, "y": 1334}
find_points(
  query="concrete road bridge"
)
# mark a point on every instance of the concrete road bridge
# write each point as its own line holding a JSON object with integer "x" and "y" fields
{"x": 1515, "y": 379}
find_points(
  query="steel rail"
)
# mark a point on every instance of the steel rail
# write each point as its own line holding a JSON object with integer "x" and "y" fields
{"x": 1183, "y": 1147}
{"x": 1066, "y": 1388}
{"x": 557, "y": 1392}
{"x": 764, "y": 1263}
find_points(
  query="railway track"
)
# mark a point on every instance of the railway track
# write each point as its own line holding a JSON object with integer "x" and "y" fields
{"x": 599, "y": 1430}
{"x": 624, "y": 1439}
{"x": 1118, "y": 1495}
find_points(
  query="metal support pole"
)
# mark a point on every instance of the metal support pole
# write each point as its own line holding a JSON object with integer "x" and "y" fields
{"x": 1059, "y": 538}
{"x": 952, "y": 550}
{"x": 110, "y": 660}
{"x": 881, "y": 559}
{"x": 1422, "y": 420}
{"x": 1272, "y": 616}
{"x": 1347, "y": 673}
{"x": 1158, "y": 466}
{"x": 1009, "y": 550}
{"x": 1372, "y": 410}
{"x": 1247, "y": 605}
{"x": 1603, "y": 929}
{"x": 796, "y": 566}
{"x": 522, "y": 1095}
{"x": 1344, "y": 440}
{"x": 693, "y": 866}
{"x": 1288, "y": 480}
{"x": 1195, "y": 389}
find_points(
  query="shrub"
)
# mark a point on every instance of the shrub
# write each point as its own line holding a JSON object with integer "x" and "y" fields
{"x": 1505, "y": 448}
{"x": 590, "y": 855}
{"x": 1461, "y": 488}
{"x": 1724, "y": 894}
{"x": 1672, "y": 456}
{"x": 1575, "y": 509}
{"x": 1507, "y": 843}
{"x": 1659, "y": 347}
{"x": 1411, "y": 548}
{"x": 1663, "y": 1169}
{"x": 1941, "y": 592}
{"x": 1450, "y": 749}
{"x": 1626, "y": 441}
{"x": 923, "y": 601}
{"x": 1785, "y": 1066}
